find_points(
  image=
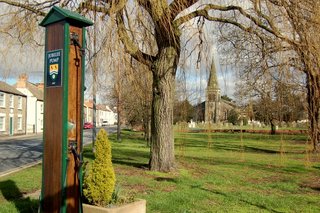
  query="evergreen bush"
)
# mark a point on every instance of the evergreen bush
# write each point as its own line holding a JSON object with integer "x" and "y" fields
{"x": 99, "y": 181}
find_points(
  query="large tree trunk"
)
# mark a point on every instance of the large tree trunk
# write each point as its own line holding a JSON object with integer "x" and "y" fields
{"x": 313, "y": 96}
{"x": 162, "y": 143}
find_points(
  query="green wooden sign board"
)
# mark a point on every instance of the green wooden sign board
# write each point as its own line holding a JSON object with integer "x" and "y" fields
{"x": 54, "y": 68}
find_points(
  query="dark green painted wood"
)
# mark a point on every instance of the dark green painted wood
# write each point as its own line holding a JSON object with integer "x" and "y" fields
{"x": 82, "y": 102}
{"x": 57, "y": 14}
{"x": 65, "y": 114}
{"x": 44, "y": 101}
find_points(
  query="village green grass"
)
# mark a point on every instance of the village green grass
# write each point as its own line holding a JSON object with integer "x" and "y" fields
{"x": 216, "y": 172}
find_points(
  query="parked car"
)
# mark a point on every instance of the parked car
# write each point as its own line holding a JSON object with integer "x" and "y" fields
{"x": 87, "y": 125}
{"x": 104, "y": 123}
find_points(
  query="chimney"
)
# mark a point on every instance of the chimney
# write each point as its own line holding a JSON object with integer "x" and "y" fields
{"x": 22, "y": 81}
{"x": 40, "y": 85}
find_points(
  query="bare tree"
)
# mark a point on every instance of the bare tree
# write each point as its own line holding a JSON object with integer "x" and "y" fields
{"x": 290, "y": 23}
{"x": 278, "y": 33}
{"x": 137, "y": 98}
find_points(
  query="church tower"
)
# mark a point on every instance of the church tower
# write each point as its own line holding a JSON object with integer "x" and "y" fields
{"x": 213, "y": 97}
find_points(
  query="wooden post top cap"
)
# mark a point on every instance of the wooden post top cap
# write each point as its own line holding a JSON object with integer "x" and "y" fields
{"x": 57, "y": 14}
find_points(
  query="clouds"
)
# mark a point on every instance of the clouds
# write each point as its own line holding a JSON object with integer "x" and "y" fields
{"x": 17, "y": 60}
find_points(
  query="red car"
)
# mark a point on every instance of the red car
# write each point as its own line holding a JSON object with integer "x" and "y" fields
{"x": 87, "y": 125}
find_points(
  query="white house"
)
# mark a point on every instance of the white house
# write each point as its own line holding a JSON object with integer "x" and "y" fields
{"x": 87, "y": 111}
{"x": 104, "y": 115}
{"x": 13, "y": 111}
{"x": 35, "y": 106}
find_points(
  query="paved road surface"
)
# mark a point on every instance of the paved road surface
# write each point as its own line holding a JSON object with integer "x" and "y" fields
{"x": 20, "y": 151}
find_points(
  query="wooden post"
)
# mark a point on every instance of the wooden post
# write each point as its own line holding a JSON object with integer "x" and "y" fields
{"x": 63, "y": 105}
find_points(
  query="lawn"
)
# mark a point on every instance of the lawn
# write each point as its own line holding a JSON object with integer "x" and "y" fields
{"x": 216, "y": 172}
{"x": 14, "y": 187}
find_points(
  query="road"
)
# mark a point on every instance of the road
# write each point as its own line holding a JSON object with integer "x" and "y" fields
{"x": 21, "y": 151}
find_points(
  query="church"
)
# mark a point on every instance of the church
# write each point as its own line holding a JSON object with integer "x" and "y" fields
{"x": 214, "y": 109}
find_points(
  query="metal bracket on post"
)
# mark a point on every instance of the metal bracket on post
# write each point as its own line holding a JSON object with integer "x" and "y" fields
{"x": 74, "y": 39}
{"x": 72, "y": 145}
{"x": 72, "y": 148}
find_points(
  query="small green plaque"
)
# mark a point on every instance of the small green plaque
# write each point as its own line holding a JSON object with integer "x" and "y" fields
{"x": 54, "y": 68}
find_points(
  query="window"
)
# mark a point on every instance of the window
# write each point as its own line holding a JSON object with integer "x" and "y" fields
{"x": 2, "y": 122}
{"x": 11, "y": 101}
{"x": 19, "y": 123}
{"x": 19, "y": 102}
{"x": 2, "y": 100}
{"x": 41, "y": 124}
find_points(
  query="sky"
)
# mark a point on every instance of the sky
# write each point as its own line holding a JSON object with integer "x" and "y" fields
{"x": 197, "y": 69}
{"x": 31, "y": 60}
{"x": 17, "y": 59}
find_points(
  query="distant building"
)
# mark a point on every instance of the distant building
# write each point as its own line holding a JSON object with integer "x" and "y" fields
{"x": 34, "y": 93}
{"x": 88, "y": 111}
{"x": 214, "y": 109}
{"x": 104, "y": 115}
{"x": 13, "y": 110}
{"x": 213, "y": 97}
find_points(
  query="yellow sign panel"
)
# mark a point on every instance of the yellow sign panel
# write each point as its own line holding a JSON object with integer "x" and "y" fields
{"x": 54, "y": 68}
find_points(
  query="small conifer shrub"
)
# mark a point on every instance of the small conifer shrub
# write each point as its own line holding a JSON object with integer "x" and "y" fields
{"x": 99, "y": 181}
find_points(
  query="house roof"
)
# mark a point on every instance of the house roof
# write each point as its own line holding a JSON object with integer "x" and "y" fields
{"x": 101, "y": 107}
{"x": 104, "y": 107}
{"x": 4, "y": 87}
{"x": 88, "y": 104}
{"x": 36, "y": 92}
{"x": 57, "y": 14}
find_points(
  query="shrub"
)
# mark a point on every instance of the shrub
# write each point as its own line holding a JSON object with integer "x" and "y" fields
{"x": 233, "y": 117}
{"x": 99, "y": 181}
{"x": 245, "y": 121}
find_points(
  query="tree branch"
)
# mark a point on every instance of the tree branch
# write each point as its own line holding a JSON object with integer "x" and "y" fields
{"x": 24, "y": 6}
{"x": 205, "y": 13}
{"x": 131, "y": 48}
{"x": 177, "y": 6}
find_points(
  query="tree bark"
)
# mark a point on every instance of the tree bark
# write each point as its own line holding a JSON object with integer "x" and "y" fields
{"x": 273, "y": 127}
{"x": 118, "y": 118}
{"x": 162, "y": 143}
{"x": 313, "y": 97}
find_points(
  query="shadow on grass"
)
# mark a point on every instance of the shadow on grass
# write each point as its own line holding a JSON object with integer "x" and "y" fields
{"x": 236, "y": 147}
{"x": 120, "y": 152}
{"x": 317, "y": 167}
{"x": 316, "y": 188}
{"x": 254, "y": 165}
{"x": 260, "y": 206}
{"x": 122, "y": 161}
{"x": 52, "y": 203}
{"x": 137, "y": 137}
{"x": 87, "y": 153}
{"x": 166, "y": 179}
{"x": 260, "y": 150}
{"x": 12, "y": 194}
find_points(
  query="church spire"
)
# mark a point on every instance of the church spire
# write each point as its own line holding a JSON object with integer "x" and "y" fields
{"x": 212, "y": 106}
{"x": 213, "y": 80}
